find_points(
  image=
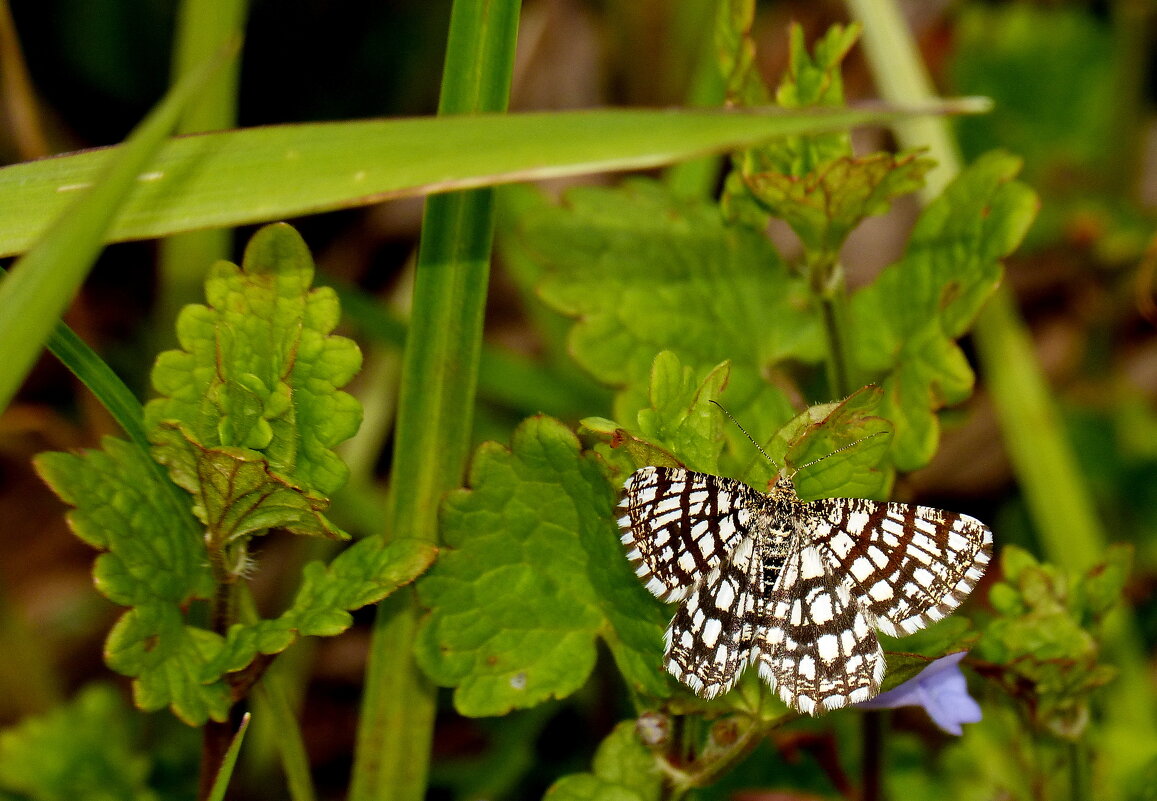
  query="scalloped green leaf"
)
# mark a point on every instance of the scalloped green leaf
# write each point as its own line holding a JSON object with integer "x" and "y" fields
{"x": 84, "y": 749}
{"x": 644, "y": 272}
{"x": 235, "y": 493}
{"x": 259, "y": 367}
{"x": 152, "y": 553}
{"x": 155, "y": 562}
{"x": 904, "y": 324}
{"x": 681, "y": 416}
{"x": 826, "y": 204}
{"x": 533, "y": 572}
{"x": 838, "y": 449}
{"x": 363, "y": 574}
{"x": 168, "y": 660}
{"x": 623, "y": 770}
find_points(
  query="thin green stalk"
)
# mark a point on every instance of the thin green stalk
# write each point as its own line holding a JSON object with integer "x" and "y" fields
{"x": 1046, "y": 466}
{"x": 271, "y": 702}
{"x": 435, "y": 407}
{"x": 202, "y": 27}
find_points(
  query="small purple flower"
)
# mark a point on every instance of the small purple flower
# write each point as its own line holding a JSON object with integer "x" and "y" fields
{"x": 940, "y": 689}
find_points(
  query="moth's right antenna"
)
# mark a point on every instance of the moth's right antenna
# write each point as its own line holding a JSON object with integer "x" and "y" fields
{"x": 739, "y": 425}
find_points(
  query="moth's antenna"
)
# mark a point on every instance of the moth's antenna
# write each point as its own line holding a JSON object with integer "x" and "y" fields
{"x": 842, "y": 449}
{"x": 738, "y": 425}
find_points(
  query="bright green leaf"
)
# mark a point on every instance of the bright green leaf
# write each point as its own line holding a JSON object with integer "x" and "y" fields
{"x": 251, "y": 405}
{"x": 122, "y": 508}
{"x": 363, "y": 574}
{"x": 644, "y": 272}
{"x": 623, "y": 770}
{"x": 168, "y": 660}
{"x": 681, "y": 416}
{"x": 903, "y": 324}
{"x": 532, "y": 573}
{"x": 235, "y": 494}
{"x": 84, "y": 749}
{"x": 825, "y": 205}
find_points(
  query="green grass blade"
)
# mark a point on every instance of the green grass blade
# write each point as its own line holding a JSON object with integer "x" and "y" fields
{"x": 262, "y": 174}
{"x": 41, "y": 284}
{"x": 225, "y": 774}
{"x": 435, "y": 407}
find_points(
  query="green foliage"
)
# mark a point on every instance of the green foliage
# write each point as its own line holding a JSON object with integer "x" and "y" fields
{"x": 1046, "y": 635}
{"x": 645, "y": 272}
{"x": 532, "y": 574}
{"x": 623, "y": 770}
{"x": 251, "y": 408}
{"x": 250, "y": 413}
{"x": 85, "y": 749}
{"x": 904, "y": 323}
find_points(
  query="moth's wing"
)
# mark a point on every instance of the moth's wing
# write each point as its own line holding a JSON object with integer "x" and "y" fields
{"x": 710, "y": 639}
{"x": 679, "y": 525}
{"x": 817, "y": 647}
{"x": 908, "y": 566}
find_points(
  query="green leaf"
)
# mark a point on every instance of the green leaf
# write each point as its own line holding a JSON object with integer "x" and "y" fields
{"x": 825, "y": 205}
{"x": 123, "y": 509}
{"x": 251, "y": 401}
{"x": 904, "y": 324}
{"x": 235, "y": 493}
{"x": 363, "y": 574}
{"x": 533, "y": 572}
{"x": 168, "y": 661}
{"x": 644, "y": 272}
{"x": 681, "y": 416}
{"x": 812, "y": 80}
{"x": 840, "y": 448}
{"x": 84, "y": 749}
{"x": 736, "y": 49}
{"x": 623, "y": 770}
{"x": 259, "y": 367}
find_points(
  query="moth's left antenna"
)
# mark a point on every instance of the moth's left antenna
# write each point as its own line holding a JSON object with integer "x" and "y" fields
{"x": 739, "y": 425}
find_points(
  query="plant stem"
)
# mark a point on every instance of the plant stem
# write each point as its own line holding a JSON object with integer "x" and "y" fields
{"x": 435, "y": 407}
{"x": 836, "y": 365}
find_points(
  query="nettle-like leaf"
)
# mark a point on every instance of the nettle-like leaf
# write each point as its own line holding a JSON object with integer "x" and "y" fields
{"x": 904, "y": 325}
{"x": 363, "y": 574}
{"x": 84, "y": 749}
{"x": 1046, "y": 635}
{"x": 251, "y": 413}
{"x": 645, "y": 272}
{"x": 532, "y": 573}
{"x": 256, "y": 383}
{"x": 155, "y": 562}
{"x": 825, "y": 205}
{"x": 623, "y": 770}
{"x": 836, "y": 450}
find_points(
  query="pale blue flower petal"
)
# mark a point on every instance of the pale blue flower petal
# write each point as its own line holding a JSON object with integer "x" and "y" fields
{"x": 939, "y": 688}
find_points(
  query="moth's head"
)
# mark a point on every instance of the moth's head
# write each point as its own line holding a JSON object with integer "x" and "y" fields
{"x": 782, "y": 483}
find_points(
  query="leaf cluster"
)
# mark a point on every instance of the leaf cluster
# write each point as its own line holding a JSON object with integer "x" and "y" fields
{"x": 249, "y": 412}
{"x": 1046, "y": 635}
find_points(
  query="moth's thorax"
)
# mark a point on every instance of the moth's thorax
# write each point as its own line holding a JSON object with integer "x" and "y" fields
{"x": 782, "y": 494}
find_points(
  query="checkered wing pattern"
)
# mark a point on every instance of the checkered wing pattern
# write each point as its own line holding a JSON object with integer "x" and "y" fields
{"x": 817, "y": 647}
{"x": 800, "y": 588}
{"x": 678, "y": 526}
{"x": 710, "y": 639}
{"x": 907, "y": 566}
